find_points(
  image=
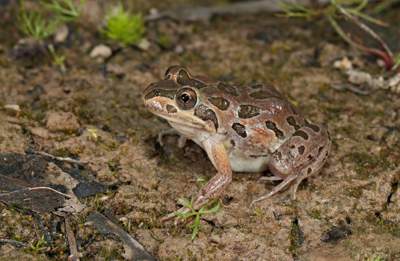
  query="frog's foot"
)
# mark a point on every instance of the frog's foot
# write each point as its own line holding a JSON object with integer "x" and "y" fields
{"x": 276, "y": 189}
{"x": 176, "y": 215}
{"x": 301, "y": 156}
{"x": 270, "y": 178}
{"x": 181, "y": 141}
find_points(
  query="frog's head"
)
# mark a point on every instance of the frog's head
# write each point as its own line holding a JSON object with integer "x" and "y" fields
{"x": 179, "y": 100}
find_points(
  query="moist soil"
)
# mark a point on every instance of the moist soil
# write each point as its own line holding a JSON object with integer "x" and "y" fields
{"x": 93, "y": 112}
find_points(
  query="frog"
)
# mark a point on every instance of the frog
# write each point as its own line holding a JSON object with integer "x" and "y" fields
{"x": 242, "y": 128}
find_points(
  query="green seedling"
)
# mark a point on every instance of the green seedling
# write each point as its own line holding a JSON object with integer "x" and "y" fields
{"x": 58, "y": 59}
{"x": 64, "y": 10}
{"x": 34, "y": 25}
{"x": 297, "y": 10}
{"x": 397, "y": 62}
{"x": 124, "y": 27}
{"x": 352, "y": 10}
{"x": 197, "y": 214}
{"x": 38, "y": 246}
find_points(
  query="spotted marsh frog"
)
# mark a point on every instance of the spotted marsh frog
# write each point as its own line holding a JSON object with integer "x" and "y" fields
{"x": 248, "y": 128}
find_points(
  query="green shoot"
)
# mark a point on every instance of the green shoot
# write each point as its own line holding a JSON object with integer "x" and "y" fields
{"x": 58, "y": 59}
{"x": 396, "y": 62}
{"x": 34, "y": 25}
{"x": 197, "y": 214}
{"x": 39, "y": 245}
{"x": 65, "y": 10}
{"x": 123, "y": 27}
{"x": 296, "y": 10}
{"x": 352, "y": 10}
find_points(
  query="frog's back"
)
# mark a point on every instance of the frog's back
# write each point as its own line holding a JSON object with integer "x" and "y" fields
{"x": 259, "y": 107}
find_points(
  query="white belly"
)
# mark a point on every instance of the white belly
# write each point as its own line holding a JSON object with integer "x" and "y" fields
{"x": 243, "y": 163}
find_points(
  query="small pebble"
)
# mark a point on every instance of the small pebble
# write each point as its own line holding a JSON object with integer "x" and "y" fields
{"x": 343, "y": 64}
{"x": 62, "y": 121}
{"x": 12, "y": 107}
{"x": 61, "y": 34}
{"x": 101, "y": 51}
{"x": 144, "y": 44}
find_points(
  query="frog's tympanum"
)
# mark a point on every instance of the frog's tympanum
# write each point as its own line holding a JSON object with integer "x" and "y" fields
{"x": 242, "y": 128}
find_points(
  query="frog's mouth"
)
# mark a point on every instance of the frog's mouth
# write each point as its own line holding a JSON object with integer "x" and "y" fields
{"x": 162, "y": 107}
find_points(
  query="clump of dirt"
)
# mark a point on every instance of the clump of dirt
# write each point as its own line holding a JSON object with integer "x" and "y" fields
{"x": 93, "y": 112}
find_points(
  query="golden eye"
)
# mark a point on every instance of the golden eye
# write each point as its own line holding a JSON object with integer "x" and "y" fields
{"x": 186, "y": 98}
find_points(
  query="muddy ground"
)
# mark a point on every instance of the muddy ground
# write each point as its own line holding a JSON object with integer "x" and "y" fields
{"x": 93, "y": 112}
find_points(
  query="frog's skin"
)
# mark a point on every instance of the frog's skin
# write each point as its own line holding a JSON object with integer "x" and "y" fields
{"x": 248, "y": 129}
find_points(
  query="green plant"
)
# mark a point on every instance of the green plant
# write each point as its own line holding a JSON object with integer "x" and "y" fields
{"x": 38, "y": 246}
{"x": 64, "y": 10}
{"x": 197, "y": 214}
{"x": 33, "y": 24}
{"x": 353, "y": 11}
{"x": 58, "y": 59}
{"x": 123, "y": 27}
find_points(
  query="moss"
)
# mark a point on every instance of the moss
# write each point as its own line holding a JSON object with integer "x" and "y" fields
{"x": 315, "y": 214}
{"x": 123, "y": 27}
{"x": 354, "y": 192}
{"x": 165, "y": 41}
{"x": 383, "y": 226}
{"x": 367, "y": 165}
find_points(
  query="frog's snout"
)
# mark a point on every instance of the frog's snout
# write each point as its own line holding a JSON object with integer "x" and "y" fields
{"x": 154, "y": 105}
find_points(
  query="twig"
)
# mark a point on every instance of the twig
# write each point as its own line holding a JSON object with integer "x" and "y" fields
{"x": 200, "y": 13}
{"x": 12, "y": 242}
{"x": 366, "y": 29}
{"x": 73, "y": 248}
{"x": 65, "y": 159}
{"x": 386, "y": 54}
{"x": 133, "y": 249}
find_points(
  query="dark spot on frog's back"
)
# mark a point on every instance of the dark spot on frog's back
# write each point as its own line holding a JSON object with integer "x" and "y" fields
{"x": 227, "y": 88}
{"x": 239, "y": 129}
{"x": 219, "y": 102}
{"x": 248, "y": 111}
{"x": 301, "y": 133}
{"x": 263, "y": 92}
{"x": 184, "y": 79}
{"x": 292, "y": 122}
{"x": 205, "y": 113}
{"x": 301, "y": 150}
{"x": 312, "y": 126}
{"x": 272, "y": 126}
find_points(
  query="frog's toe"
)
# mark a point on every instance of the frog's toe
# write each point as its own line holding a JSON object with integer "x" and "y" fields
{"x": 176, "y": 215}
{"x": 276, "y": 189}
{"x": 270, "y": 178}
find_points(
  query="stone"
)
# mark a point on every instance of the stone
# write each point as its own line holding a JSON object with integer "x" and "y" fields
{"x": 101, "y": 51}
{"x": 62, "y": 121}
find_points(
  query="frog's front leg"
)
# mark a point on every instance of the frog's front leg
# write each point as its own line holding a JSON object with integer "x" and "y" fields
{"x": 301, "y": 156}
{"x": 216, "y": 185}
{"x": 214, "y": 188}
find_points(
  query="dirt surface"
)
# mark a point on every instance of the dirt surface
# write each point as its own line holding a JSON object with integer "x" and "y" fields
{"x": 93, "y": 112}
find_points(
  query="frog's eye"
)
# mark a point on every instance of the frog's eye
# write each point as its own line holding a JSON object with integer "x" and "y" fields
{"x": 186, "y": 98}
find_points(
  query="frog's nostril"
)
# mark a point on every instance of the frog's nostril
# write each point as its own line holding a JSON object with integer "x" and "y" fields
{"x": 171, "y": 109}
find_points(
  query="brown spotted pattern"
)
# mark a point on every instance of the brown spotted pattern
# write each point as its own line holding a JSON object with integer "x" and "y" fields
{"x": 247, "y": 111}
{"x": 272, "y": 126}
{"x": 219, "y": 102}
{"x": 205, "y": 113}
{"x": 229, "y": 89}
{"x": 239, "y": 129}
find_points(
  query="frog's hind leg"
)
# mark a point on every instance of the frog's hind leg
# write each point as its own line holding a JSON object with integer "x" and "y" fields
{"x": 299, "y": 157}
{"x": 276, "y": 189}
